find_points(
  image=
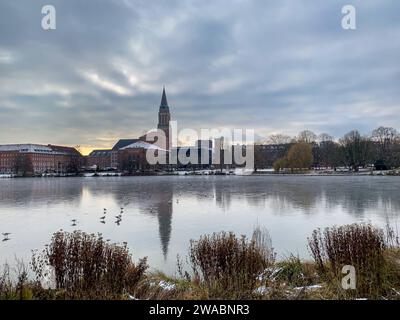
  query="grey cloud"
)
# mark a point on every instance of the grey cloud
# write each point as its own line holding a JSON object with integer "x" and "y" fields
{"x": 276, "y": 66}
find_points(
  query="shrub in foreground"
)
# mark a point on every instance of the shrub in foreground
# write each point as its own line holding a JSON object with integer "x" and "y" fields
{"x": 85, "y": 266}
{"x": 229, "y": 266}
{"x": 358, "y": 245}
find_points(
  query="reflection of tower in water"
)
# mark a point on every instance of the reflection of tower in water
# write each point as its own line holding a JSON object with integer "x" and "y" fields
{"x": 164, "y": 215}
{"x": 153, "y": 198}
{"x": 222, "y": 195}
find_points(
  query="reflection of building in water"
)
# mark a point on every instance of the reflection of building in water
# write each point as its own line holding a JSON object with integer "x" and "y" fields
{"x": 164, "y": 215}
{"x": 160, "y": 204}
{"x": 35, "y": 193}
{"x": 223, "y": 195}
{"x": 153, "y": 197}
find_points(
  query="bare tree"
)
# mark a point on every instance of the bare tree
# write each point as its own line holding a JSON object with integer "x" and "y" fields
{"x": 385, "y": 135}
{"x": 355, "y": 149}
{"x": 307, "y": 136}
{"x": 324, "y": 137}
{"x": 387, "y": 142}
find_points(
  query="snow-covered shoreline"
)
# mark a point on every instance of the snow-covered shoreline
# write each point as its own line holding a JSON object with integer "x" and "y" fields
{"x": 235, "y": 172}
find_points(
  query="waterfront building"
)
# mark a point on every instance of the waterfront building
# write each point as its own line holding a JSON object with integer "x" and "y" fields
{"x": 32, "y": 159}
{"x": 100, "y": 159}
{"x": 130, "y": 154}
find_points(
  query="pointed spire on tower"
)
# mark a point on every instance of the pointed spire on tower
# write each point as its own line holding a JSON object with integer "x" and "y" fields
{"x": 164, "y": 102}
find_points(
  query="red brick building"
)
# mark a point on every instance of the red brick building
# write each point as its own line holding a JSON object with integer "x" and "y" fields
{"x": 134, "y": 156}
{"x": 101, "y": 159}
{"x": 32, "y": 159}
{"x": 132, "y": 159}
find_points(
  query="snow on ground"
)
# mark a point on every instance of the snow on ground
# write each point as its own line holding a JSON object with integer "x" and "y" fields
{"x": 166, "y": 285}
{"x": 262, "y": 290}
{"x": 102, "y": 174}
{"x": 311, "y": 288}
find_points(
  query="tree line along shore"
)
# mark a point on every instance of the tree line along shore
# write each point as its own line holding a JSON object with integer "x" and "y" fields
{"x": 354, "y": 153}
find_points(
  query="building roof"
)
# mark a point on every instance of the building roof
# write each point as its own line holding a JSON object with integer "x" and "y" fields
{"x": 100, "y": 153}
{"x": 28, "y": 148}
{"x": 39, "y": 148}
{"x": 142, "y": 145}
{"x": 123, "y": 143}
{"x": 164, "y": 102}
{"x": 69, "y": 150}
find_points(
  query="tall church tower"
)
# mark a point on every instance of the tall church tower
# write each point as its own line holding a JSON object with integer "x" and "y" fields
{"x": 164, "y": 118}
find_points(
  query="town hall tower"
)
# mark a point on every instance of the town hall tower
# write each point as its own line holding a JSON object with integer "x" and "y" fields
{"x": 164, "y": 117}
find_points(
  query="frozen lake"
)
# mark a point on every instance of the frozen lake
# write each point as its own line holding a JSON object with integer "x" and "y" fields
{"x": 162, "y": 214}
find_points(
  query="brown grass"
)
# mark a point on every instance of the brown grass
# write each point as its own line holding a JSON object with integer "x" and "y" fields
{"x": 86, "y": 267}
{"x": 229, "y": 266}
{"x": 358, "y": 245}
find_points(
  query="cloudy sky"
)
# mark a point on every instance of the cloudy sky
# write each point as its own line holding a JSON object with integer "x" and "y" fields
{"x": 275, "y": 66}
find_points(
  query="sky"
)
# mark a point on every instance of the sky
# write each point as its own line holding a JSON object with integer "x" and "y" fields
{"x": 272, "y": 66}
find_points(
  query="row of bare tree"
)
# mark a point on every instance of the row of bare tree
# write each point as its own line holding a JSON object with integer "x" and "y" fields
{"x": 354, "y": 150}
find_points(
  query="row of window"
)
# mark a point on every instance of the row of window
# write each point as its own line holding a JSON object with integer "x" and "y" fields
{"x": 6, "y": 162}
